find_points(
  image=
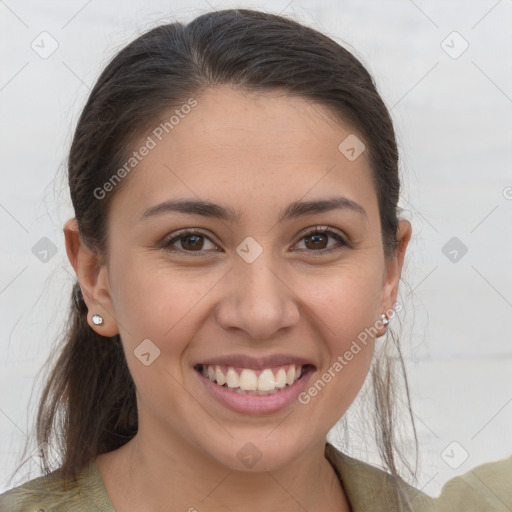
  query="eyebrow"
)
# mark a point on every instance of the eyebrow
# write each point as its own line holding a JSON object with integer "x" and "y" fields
{"x": 292, "y": 211}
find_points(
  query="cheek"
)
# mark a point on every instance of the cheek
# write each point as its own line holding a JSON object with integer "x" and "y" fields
{"x": 158, "y": 302}
{"x": 345, "y": 302}
{"x": 345, "y": 311}
{"x": 163, "y": 306}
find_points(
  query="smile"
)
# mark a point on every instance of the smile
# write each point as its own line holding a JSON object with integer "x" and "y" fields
{"x": 251, "y": 382}
{"x": 252, "y": 385}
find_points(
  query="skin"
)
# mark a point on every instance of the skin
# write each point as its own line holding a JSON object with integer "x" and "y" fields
{"x": 256, "y": 153}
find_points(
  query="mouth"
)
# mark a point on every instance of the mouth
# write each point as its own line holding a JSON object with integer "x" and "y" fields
{"x": 255, "y": 382}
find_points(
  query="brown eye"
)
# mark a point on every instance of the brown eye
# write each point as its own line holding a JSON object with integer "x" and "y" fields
{"x": 318, "y": 240}
{"x": 189, "y": 241}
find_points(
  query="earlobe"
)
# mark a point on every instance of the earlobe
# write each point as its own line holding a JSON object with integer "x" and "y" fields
{"x": 93, "y": 279}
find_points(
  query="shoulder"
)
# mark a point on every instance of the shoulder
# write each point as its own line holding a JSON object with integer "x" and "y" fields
{"x": 371, "y": 488}
{"x": 487, "y": 487}
{"x": 57, "y": 494}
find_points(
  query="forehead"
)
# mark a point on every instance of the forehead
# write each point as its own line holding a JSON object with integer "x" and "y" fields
{"x": 237, "y": 148}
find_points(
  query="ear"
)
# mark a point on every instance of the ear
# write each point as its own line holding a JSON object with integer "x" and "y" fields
{"x": 93, "y": 279}
{"x": 393, "y": 267}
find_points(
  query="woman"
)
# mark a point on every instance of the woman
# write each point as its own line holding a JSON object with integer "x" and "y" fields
{"x": 238, "y": 254}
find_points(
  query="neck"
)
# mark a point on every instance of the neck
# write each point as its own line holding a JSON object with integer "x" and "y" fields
{"x": 142, "y": 475}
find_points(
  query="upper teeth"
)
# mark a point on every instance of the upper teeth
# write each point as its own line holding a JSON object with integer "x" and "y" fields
{"x": 248, "y": 380}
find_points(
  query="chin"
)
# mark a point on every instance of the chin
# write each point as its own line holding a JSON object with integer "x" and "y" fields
{"x": 268, "y": 451}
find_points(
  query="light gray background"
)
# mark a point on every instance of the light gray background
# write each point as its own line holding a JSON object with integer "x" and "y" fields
{"x": 453, "y": 120}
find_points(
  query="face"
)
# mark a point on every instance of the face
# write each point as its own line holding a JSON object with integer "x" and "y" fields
{"x": 245, "y": 283}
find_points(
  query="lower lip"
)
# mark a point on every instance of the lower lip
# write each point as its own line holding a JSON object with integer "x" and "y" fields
{"x": 256, "y": 404}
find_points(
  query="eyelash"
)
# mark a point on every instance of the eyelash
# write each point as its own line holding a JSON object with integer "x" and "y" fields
{"x": 318, "y": 230}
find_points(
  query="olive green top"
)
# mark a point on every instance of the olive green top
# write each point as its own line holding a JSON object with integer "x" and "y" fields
{"x": 368, "y": 489}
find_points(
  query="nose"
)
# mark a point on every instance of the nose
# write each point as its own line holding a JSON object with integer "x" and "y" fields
{"x": 257, "y": 299}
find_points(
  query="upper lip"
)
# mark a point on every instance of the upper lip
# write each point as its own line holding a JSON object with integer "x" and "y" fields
{"x": 256, "y": 363}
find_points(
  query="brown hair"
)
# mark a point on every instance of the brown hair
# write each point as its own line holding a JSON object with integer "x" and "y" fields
{"x": 88, "y": 405}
